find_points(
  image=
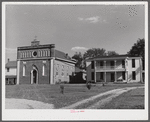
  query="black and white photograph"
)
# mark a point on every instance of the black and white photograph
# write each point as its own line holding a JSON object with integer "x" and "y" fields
{"x": 75, "y": 60}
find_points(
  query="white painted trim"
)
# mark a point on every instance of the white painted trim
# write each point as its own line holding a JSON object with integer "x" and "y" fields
{"x": 18, "y": 71}
{"x": 52, "y": 71}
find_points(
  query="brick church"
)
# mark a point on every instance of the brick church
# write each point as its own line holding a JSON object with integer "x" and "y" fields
{"x": 43, "y": 64}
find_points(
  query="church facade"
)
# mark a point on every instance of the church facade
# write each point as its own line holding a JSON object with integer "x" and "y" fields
{"x": 43, "y": 64}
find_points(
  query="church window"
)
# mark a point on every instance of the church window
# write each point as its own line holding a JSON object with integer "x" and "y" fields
{"x": 30, "y": 54}
{"x": 24, "y": 70}
{"x": 25, "y": 54}
{"x": 43, "y": 70}
{"x": 22, "y": 54}
{"x": 46, "y": 53}
{"x": 38, "y": 53}
{"x": 43, "y": 52}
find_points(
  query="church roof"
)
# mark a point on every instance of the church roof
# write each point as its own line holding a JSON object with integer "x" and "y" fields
{"x": 11, "y": 64}
{"x": 62, "y": 55}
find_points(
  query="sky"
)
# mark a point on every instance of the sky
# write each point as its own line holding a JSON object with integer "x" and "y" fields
{"x": 74, "y": 28}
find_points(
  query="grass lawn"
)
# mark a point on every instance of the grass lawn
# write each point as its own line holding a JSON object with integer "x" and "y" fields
{"x": 133, "y": 99}
{"x": 51, "y": 93}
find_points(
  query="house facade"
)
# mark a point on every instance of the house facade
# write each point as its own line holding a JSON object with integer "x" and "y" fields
{"x": 43, "y": 64}
{"x": 11, "y": 72}
{"x": 114, "y": 69}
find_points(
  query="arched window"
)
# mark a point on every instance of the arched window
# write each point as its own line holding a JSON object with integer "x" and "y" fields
{"x": 22, "y": 54}
{"x": 46, "y": 53}
{"x": 43, "y": 70}
{"x": 24, "y": 70}
{"x": 30, "y": 54}
{"x": 41, "y": 53}
{"x": 25, "y": 54}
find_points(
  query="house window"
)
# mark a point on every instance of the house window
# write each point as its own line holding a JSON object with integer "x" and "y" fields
{"x": 24, "y": 70}
{"x": 43, "y": 70}
{"x": 133, "y": 63}
{"x": 133, "y": 75}
{"x": 101, "y": 76}
{"x": 62, "y": 73}
{"x": 123, "y": 63}
{"x": 92, "y": 74}
{"x": 92, "y": 65}
{"x": 123, "y": 75}
{"x": 101, "y": 63}
{"x": 7, "y": 69}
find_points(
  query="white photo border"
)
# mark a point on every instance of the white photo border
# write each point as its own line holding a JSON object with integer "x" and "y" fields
{"x": 53, "y": 114}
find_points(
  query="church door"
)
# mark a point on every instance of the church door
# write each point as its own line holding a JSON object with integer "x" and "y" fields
{"x": 34, "y": 76}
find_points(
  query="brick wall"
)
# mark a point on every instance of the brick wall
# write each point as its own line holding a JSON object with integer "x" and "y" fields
{"x": 29, "y": 67}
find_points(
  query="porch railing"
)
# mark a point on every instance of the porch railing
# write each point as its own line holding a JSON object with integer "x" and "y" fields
{"x": 110, "y": 67}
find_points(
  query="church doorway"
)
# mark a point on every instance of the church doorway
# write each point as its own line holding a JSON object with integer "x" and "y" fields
{"x": 34, "y": 75}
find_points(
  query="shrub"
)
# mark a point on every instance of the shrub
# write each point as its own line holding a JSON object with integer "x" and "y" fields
{"x": 88, "y": 85}
{"x": 62, "y": 89}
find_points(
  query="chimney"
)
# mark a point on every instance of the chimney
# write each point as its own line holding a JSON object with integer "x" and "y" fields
{"x": 8, "y": 59}
{"x": 67, "y": 55}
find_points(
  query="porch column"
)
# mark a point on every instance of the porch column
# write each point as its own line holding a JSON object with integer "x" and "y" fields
{"x": 105, "y": 77}
{"x": 126, "y": 69}
{"x": 115, "y": 76}
{"x": 105, "y": 69}
{"x": 95, "y": 71}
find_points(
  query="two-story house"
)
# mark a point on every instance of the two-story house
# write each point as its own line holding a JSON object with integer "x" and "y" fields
{"x": 11, "y": 72}
{"x": 114, "y": 68}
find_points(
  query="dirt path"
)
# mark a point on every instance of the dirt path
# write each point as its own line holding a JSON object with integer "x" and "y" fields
{"x": 110, "y": 95}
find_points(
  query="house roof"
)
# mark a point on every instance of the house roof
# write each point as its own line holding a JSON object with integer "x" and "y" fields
{"x": 112, "y": 57}
{"x": 11, "y": 64}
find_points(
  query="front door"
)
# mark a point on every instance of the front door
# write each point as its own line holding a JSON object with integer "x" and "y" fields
{"x": 34, "y": 76}
{"x": 112, "y": 77}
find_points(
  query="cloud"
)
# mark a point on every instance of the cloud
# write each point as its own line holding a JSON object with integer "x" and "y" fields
{"x": 94, "y": 19}
{"x": 79, "y": 48}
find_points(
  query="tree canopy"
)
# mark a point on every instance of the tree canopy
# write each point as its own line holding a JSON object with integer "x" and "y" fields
{"x": 138, "y": 48}
{"x": 94, "y": 52}
{"x": 90, "y": 53}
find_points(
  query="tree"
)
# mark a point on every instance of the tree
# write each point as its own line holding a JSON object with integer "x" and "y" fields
{"x": 138, "y": 49}
{"x": 79, "y": 58}
{"x": 94, "y": 52}
{"x": 111, "y": 53}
